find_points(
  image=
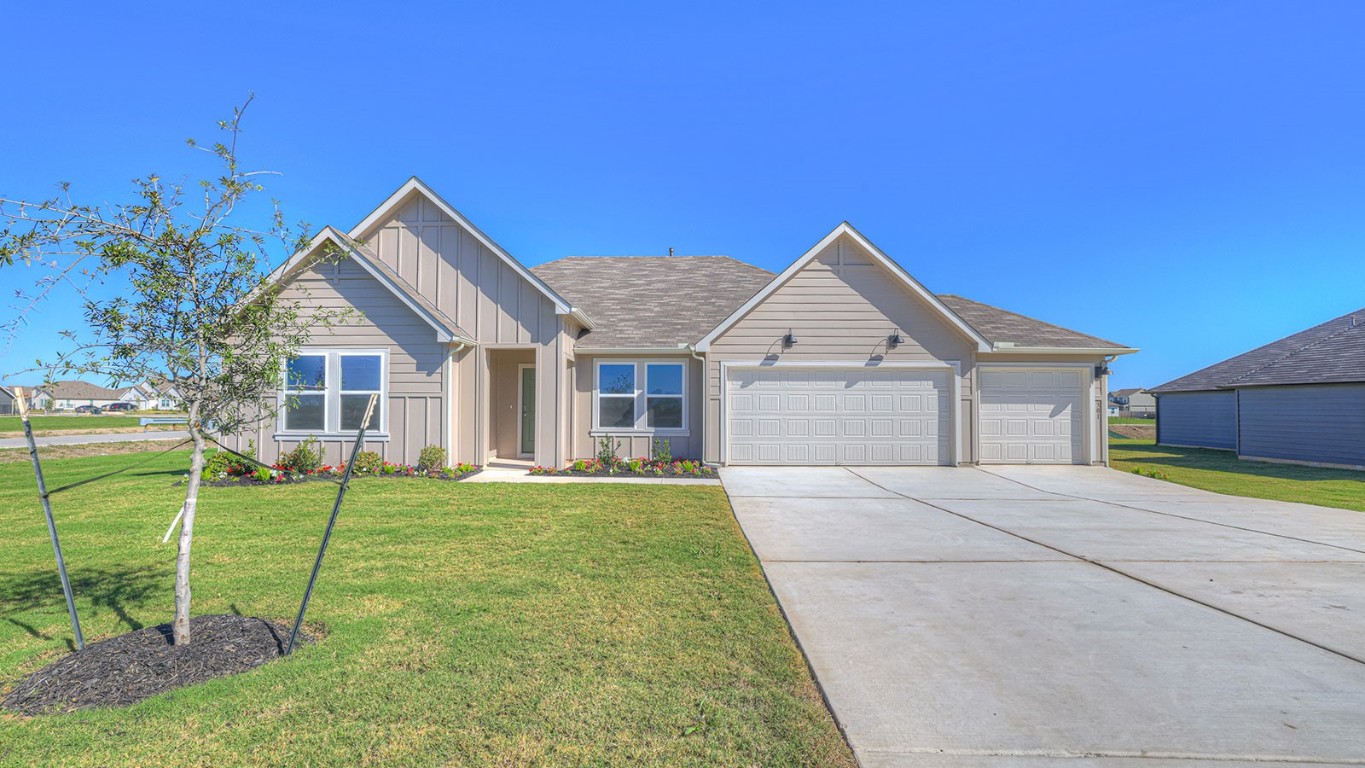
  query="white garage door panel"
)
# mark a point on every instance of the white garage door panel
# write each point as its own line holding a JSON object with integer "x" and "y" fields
{"x": 1032, "y": 416}
{"x": 837, "y": 416}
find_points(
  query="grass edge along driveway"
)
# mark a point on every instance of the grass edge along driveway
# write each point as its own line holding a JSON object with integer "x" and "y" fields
{"x": 1223, "y": 472}
{"x": 464, "y": 624}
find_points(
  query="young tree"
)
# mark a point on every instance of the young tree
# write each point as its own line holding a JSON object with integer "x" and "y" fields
{"x": 193, "y": 306}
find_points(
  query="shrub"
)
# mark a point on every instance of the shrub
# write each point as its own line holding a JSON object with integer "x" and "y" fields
{"x": 606, "y": 449}
{"x": 432, "y": 458}
{"x": 305, "y": 457}
{"x": 580, "y": 465}
{"x": 388, "y": 469}
{"x": 264, "y": 475}
{"x": 663, "y": 452}
{"x": 368, "y": 462}
{"x": 218, "y": 464}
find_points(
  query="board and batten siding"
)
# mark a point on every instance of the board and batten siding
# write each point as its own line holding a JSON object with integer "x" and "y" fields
{"x": 842, "y": 306}
{"x": 379, "y": 321}
{"x": 495, "y": 305}
{"x": 1198, "y": 419}
{"x": 634, "y": 444}
{"x": 1320, "y": 423}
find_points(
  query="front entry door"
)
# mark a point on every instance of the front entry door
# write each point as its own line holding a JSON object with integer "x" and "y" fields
{"x": 527, "y": 400}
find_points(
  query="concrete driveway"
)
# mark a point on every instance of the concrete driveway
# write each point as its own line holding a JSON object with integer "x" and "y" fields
{"x": 1076, "y": 616}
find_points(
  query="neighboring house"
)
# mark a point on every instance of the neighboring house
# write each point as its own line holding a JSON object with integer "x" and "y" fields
{"x": 1115, "y": 409}
{"x": 8, "y": 402}
{"x": 1300, "y": 399}
{"x": 843, "y": 358}
{"x": 1135, "y": 402}
{"x": 68, "y": 395}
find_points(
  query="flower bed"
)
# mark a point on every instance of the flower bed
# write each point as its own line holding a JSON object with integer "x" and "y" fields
{"x": 641, "y": 467}
{"x": 240, "y": 473}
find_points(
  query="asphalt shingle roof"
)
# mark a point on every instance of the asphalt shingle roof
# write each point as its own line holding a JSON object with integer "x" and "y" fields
{"x": 999, "y": 325}
{"x": 1330, "y": 353}
{"x": 652, "y": 301}
{"x": 667, "y": 301}
{"x": 75, "y": 389}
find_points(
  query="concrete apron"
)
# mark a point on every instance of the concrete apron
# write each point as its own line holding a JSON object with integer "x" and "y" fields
{"x": 1071, "y": 616}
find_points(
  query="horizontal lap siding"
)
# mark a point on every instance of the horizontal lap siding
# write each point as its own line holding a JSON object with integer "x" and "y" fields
{"x": 1321, "y": 423}
{"x": 1203, "y": 419}
{"x": 379, "y": 321}
{"x": 842, "y": 306}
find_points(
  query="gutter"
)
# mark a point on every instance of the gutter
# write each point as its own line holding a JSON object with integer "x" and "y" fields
{"x": 1008, "y": 347}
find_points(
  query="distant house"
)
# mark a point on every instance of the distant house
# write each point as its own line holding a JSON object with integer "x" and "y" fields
{"x": 71, "y": 394}
{"x": 1300, "y": 399}
{"x": 1135, "y": 402}
{"x": 8, "y": 404}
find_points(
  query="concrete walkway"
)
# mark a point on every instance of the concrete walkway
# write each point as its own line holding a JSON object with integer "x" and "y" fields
{"x": 118, "y": 437}
{"x": 494, "y": 474}
{"x": 1073, "y": 616}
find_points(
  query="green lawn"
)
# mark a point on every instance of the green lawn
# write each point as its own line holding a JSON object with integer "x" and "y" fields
{"x": 1222, "y": 472}
{"x": 1131, "y": 420}
{"x": 72, "y": 422}
{"x": 465, "y": 624}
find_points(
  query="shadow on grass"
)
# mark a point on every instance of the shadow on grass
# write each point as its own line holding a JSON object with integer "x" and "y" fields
{"x": 117, "y": 590}
{"x": 1226, "y": 461}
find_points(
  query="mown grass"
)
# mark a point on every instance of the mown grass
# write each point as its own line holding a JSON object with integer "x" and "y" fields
{"x": 1223, "y": 472}
{"x": 64, "y": 423}
{"x": 463, "y": 624}
{"x": 1131, "y": 420}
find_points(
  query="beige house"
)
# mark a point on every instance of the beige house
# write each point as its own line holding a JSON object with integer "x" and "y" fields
{"x": 843, "y": 358}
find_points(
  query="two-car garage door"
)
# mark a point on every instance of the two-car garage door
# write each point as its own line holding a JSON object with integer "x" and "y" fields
{"x": 816, "y": 415}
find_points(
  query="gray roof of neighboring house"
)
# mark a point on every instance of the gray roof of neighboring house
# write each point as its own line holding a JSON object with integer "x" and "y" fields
{"x": 1126, "y": 392}
{"x": 1001, "y": 325}
{"x": 75, "y": 389}
{"x": 652, "y": 301}
{"x": 622, "y": 296}
{"x": 1330, "y": 353}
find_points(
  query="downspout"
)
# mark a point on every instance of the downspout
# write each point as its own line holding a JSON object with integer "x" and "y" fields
{"x": 705, "y": 396}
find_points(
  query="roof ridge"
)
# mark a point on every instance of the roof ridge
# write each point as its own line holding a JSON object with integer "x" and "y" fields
{"x": 1348, "y": 326}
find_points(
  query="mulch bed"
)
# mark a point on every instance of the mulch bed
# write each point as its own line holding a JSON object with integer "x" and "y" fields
{"x": 129, "y": 668}
{"x": 286, "y": 479}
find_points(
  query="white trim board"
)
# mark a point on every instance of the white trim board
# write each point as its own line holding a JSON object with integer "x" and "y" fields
{"x": 982, "y": 344}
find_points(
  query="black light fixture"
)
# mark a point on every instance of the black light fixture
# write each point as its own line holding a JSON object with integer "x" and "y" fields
{"x": 789, "y": 340}
{"x": 1101, "y": 370}
{"x": 894, "y": 340}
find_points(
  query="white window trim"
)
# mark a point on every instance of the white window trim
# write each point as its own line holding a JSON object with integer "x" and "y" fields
{"x": 641, "y": 397}
{"x": 331, "y": 419}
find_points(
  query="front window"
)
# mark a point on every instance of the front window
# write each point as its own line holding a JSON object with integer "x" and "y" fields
{"x": 644, "y": 396}
{"x": 327, "y": 391}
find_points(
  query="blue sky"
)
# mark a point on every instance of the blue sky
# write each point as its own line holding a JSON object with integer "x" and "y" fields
{"x": 1184, "y": 177}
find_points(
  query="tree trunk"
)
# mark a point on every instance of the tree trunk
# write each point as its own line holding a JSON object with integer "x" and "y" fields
{"x": 180, "y": 628}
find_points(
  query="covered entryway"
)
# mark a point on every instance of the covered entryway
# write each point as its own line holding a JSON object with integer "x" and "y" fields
{"x": 512, "y": 403}
{"x": 838, "y": 415}
{"x": 1033, "y": 415}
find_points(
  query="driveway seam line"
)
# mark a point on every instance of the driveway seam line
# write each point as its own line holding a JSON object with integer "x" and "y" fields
{"x": 1122, "y": 573}
{"x": 1122, "y": 505}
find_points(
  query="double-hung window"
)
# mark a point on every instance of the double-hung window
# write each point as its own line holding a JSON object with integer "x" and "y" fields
{"x": 642, "y": 396}
{"x": 326, "y": 391}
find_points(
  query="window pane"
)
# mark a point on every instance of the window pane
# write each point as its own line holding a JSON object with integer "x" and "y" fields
{"x": 304, "y": 411}
{"x": 616, "y": 379}
{"x": 664, "y": 379}
{"x": 307, "y": 372}
{"x": 360, "y": 373}
{"x": 665, "y": 413}
{"x": 353, "y": 410}
{"x": 616, "y": 412}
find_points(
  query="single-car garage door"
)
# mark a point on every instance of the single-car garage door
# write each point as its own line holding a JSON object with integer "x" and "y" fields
{"x": 816, "y": 415}
{"x": 1033, "y": 415}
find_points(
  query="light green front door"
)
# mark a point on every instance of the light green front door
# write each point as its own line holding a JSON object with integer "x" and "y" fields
{"x": 528, "y": 410}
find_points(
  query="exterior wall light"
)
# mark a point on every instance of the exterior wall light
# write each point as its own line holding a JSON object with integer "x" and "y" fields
{"x": 789, "y": 340}
{"x": 1101, "y": 370}
{"x": 894, "y": 340}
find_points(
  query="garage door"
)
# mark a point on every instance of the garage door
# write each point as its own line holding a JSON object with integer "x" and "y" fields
{"x": 1032, "y": 415}
{"x": 837, "y": 416}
